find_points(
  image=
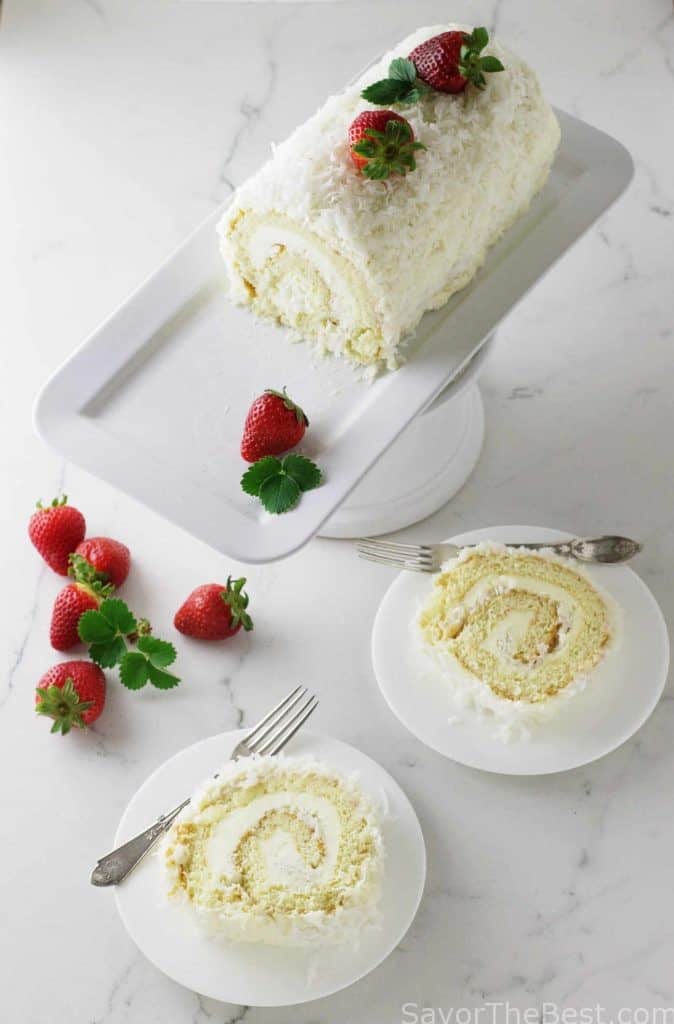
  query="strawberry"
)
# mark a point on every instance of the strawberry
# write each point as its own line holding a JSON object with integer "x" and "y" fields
{"x": 70, "y": 603}
{"x": 72, "y": 693}
{"x": 447, "y": 63}
{"x": 382, "y": 143}
{"x": 85, "y": 593}
{"x": 110, "y": 558}
{"x": 56, "y": 531}
{"x": 214, "y": 612}
{"x": 273, "y": 425}
{"x": 450, "y": 61}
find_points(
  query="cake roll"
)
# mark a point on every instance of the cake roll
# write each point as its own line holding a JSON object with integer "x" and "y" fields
{"x": 514, "y": 633}
{"x": 351, "y": 263}
{"x": 278, "y": 850}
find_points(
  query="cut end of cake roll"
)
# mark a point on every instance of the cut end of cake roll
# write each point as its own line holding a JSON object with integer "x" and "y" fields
{"x": 351, "y": 264}
{"x": 290, "y": 275}
{"x": 514, "y": 634}
{"x": 277, "y": 850}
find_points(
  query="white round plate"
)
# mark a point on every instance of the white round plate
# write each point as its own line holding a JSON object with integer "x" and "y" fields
{"x": 250, "y": 974}
{"x": 622, "y": 694}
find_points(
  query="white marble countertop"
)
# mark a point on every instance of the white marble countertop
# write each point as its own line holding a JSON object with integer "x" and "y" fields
{"x": 121, "y": 126}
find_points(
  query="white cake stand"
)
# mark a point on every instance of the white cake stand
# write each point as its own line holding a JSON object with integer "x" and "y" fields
{"x": 424, "y": 468}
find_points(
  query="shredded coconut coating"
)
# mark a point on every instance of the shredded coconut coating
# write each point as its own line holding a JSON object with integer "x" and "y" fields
{"x": 352, "y": 264}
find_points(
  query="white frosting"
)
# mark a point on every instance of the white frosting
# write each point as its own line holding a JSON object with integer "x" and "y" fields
{"x": 410, "y": 242}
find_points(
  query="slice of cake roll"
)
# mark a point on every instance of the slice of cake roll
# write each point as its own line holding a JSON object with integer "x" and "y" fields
{"x": 351, "y": 257}
{"x": 515, "y": 634}
{"x": 277, "y": 850}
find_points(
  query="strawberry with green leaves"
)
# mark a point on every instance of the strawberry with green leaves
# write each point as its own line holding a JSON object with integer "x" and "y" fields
{"x": 450, "y": 61}
{"x": 56, "y": 530}
{"x": 280, "y": 483}
{"x": 274, "y": 425}
{"x": 447, "y": 63}
{"x": 72, "y": 694}
{"x": 110, "y": 558}
{"x": 214, "y": 612}
{"x": 382, "y": 143}
{"x": 85, "y": 593}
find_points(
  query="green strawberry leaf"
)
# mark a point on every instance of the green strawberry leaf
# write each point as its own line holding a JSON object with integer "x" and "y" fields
{"x": 491, "y": 64}
{"x": 117, "y": 613}
{"x": 279, "y": 493}
{"x": 402, "y": 85}
{"x": 402, "y": 70}
{"x": 106, "y": 632}
{"x": 160, "y": 653}
{"x": 479, "y": 38}
{"x": 365, "y": 148}
{"x": 108, "y": 654}
{"x": 92, "y": 628}
{"x": 304, "y": 472}
{"x": 134, "y": 670}
{"x": 278, "y": 484}
{"x": 162, "y": 680}
{"x": 385, "y": 92}
{"x": 414, "y": 95}
{"x": 256, "y": 475}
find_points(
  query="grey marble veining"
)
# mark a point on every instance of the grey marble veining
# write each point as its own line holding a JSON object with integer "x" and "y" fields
{"x": 122, "y": 125}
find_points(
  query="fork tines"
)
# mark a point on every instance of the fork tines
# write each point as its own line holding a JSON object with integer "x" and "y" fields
{"x": 272, "y": 733}
{"x": 405, "y": 556}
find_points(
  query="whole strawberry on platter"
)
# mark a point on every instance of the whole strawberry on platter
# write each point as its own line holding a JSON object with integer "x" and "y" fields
{"x": 382, "y": 143}
{"x": 214, "y": 612}
{"x": 274, "y": 424}
{"x": 109, "y": 558}
{"x": 72, "y": 694}
{"x": 56, "y": 530}
{"x": 448, "y": 63}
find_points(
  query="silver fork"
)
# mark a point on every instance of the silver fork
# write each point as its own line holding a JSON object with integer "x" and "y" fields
{"x": 431, "y": 557}
{"x": 269, "y": 736}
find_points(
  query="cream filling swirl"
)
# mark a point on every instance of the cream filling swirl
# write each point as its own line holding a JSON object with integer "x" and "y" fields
{"x": 276, "y": 853}
{"x": 512, "y": 631}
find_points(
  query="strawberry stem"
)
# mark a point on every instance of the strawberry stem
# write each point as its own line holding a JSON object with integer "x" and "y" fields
{"x": 472, "y": 65}
{"x": 237, "y": 599}
{"x": 62, "y": 703}
{"x": 289, "y": 404}
{"x": 388, "y": 152}
{"x": 55, "y": 502}
{"x": 86, "y": 575}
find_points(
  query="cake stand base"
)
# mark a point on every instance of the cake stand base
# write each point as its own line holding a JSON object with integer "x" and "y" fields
{"x": 420, "y": 472}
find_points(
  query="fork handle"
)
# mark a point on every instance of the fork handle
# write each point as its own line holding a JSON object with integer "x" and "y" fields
{"x": 116, "y": 865}
{"x": 444, "y": 551}
{"x": 562, "y": 547}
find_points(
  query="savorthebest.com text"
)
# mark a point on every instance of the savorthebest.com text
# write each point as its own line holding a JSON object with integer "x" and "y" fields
{"x": 546, "y": 1013}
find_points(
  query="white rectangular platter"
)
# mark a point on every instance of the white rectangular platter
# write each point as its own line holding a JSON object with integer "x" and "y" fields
{"x": 171, "y": 374}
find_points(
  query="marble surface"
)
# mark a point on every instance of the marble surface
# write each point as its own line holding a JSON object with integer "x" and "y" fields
{"x": 121, "y": 126}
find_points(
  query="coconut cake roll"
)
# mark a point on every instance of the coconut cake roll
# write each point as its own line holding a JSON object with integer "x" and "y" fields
{"x": 277, "y": 850}
{"x": 515, "y": 634}
{"x": 351, "y": 262}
